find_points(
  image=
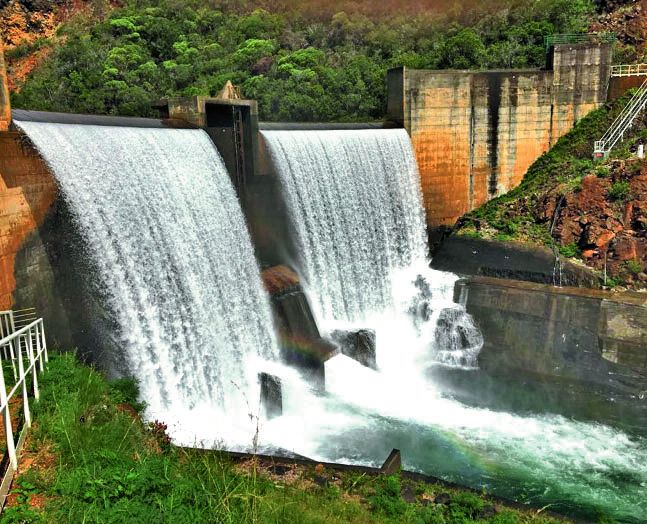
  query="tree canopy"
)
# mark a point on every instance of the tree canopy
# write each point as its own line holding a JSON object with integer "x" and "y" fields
{"x": 300, "y": 64}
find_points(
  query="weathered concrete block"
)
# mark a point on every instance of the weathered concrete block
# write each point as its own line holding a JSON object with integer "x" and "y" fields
{"x": 301, "y": 343}
{"x": 476, "y": 133}
{"x": 393, "y": 463}
{"x": 581, "y": 334}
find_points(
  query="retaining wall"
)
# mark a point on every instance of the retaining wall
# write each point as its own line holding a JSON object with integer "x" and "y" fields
{"x": 581, "y": 334}
{"x": 28, "y": 272}
{"x": 27, "y": 191}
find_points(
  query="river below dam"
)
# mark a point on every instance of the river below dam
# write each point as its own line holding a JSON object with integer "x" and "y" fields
{"x": 571, "y": 448}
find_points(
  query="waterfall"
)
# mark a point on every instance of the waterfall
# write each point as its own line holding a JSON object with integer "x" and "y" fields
{"x": 355, "y": 203}
{"x": 163, "y": 228}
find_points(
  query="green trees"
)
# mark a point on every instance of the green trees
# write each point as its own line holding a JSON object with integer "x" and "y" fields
{"x": 299, "y": 64}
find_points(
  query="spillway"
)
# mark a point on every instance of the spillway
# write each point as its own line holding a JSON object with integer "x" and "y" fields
{"x": 354, "y": 200}
{"x": 172, "y": 255}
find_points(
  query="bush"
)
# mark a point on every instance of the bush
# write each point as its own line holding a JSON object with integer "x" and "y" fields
{"x": 602, "y": 172}
{"x": 619, "y": 190}
{"x": 387, "y": 499}
{"x": 634, "y": 267}
{"x": 569, "y": 250}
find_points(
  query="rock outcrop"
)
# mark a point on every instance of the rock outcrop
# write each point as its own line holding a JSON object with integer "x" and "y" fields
{"x": 605, "y": 218}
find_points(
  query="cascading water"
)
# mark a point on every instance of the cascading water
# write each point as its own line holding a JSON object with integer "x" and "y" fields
{"x": 166, "y": 234}
{"x": 354, "y": 202}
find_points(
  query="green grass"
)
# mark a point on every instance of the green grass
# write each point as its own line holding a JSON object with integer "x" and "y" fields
{"x": 101, "y": 464}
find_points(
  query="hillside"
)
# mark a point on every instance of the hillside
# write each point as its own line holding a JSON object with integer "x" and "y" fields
{"x": 592, "y": 212}
{"x": 301, "y": 61}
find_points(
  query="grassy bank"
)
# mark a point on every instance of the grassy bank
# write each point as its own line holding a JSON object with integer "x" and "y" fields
{"x": 90, "y": 458}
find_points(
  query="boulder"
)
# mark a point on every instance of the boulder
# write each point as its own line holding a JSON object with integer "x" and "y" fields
{"x": 358, "y": 345}
{"x": 271, "y": 395}
{"x": 625, "y": 249}
{"x": 604, "y": 238}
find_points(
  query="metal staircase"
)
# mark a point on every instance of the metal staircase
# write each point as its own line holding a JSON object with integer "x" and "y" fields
{"x": 616, "y": 132}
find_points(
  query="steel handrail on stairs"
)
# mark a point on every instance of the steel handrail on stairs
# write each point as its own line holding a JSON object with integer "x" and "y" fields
{"x": 615, "y": 133}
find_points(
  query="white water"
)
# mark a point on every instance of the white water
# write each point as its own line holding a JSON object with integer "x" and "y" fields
{"x": 355, "y": 203}
{"x": 165, "y": 232}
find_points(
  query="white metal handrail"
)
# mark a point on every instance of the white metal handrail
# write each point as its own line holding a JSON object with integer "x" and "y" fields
{"x": 28, "y": 343}
{"x": 629, "y": 70}
{"x": 602, "y": 147}
{"x": 7, "y": 327}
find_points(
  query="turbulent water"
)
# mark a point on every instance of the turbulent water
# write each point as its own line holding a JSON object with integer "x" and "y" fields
{"x": 165, "y": 232}
{"x": 355, "y": 204}
{"x": 353, "y": 197}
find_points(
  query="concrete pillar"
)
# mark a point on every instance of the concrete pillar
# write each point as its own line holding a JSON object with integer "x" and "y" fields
{"x": 5, "y": 105}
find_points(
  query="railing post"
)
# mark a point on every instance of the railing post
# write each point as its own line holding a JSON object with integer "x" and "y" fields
{"x": 25, "y": 396}
{"x": 43, "y": 340}
{"x": 39, "y": 352}
{"x": 34, "y": 368}
{"x": 12, "y": 348}
{"x": 11, "y": 447}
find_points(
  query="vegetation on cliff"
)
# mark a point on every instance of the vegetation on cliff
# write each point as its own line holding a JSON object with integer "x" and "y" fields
{"x": 301, "y": 62}
{"x": 90, "y": 458}
{"x": 595, "y": 212}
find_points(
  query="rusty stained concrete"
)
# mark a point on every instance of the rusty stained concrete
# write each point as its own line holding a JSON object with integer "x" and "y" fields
{"x": 476, "y": 133}
{"x": 5, "y": 105}
{"x": 27, "y": 193}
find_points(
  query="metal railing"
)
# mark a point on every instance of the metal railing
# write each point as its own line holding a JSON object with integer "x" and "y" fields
{"x": 27, "y": 349}
{"x": 7, "y": 327}
{"x": 629, "y": 70}
{"x": 579, "y": 38}
{"x": 616, "y": 132}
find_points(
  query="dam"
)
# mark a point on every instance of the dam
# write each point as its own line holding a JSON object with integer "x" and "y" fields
{"x": 203, "y": 252}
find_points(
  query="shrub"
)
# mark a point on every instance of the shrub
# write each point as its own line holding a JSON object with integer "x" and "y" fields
{"x": 569, "y": 250}
{"x": 464, "y": 505}
{"x": 126, "y": 390}
{"x": 387, "y": 499}
{"x": 634, "y": 267}
{"x": 602, "y": 172}
{"x": 619, "y": 190}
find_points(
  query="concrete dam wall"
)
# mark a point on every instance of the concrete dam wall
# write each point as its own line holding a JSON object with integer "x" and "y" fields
{"x": 476, "y": 133}
{"x": 27, "y": 191}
